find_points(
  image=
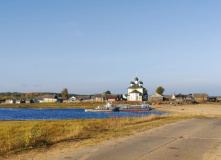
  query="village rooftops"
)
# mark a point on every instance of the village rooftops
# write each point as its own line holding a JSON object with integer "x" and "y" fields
{"x": 98, "y": 95}
{"x": 113, "y": 95}
{"x": 197, "y": 95}
{"x": 50, "y": 96}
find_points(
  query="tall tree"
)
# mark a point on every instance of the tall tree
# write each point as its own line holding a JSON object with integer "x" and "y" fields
{"x": 64, "y": 93}
{"x": 107, "y": 92}
{"x": 160, "y": 90}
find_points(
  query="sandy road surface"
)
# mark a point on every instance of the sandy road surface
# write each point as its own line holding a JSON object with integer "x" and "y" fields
{"x": 194, "y": 139}
{"x": 205, "y": 109}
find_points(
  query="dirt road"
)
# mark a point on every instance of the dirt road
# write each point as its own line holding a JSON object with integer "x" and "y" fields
{"x": 196, "y": 139}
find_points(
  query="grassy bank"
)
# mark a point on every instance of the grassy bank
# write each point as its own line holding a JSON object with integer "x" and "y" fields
{"x": 23, "y": 135}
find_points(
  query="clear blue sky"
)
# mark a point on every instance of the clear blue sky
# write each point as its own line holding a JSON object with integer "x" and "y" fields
{"x": 93, "y": 46}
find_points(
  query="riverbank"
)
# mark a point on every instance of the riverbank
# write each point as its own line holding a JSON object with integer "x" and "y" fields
{"x": 47, "y": 139}
{"x": 17, "y": 136}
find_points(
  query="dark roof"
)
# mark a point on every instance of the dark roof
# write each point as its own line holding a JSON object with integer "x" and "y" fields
{"x": 113, "y": 94}
{"x": 213, "y": 97}
{"x": 135, "y": 86}
{"x": 189, "y": 96}
{"x": 131, "y": 82}
{"x": 141, "y": 82}
{"x": 98, "y": 95}
{"x": 50, "y": 96}
{"x": 83, "y": 97}
{"x": 111, "y": 97}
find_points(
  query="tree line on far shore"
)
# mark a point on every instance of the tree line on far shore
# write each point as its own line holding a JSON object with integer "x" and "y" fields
{"x": 64, "y": 94}
{"x": 23, "y": 96}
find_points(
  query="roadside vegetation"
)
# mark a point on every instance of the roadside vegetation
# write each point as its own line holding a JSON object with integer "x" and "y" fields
{"x": 18, "y": 136}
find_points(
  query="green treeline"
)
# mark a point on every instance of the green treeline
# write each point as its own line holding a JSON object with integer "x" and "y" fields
{"x": 24, "y": 96}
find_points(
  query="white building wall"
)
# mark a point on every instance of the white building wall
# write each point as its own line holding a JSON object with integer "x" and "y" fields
{"x": 134, "y": 97}
{"x": 50, "y": 100}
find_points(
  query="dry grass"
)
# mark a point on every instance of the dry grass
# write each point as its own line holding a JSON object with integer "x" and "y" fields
{"x": 23, "y": 135}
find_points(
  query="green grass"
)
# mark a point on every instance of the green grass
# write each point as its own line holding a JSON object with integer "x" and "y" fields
{"x": 17, "y": 136}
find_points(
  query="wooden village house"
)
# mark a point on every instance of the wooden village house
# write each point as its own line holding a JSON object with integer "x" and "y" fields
{"x": 50, "y": 98}
{"x": 155, "y": 97}
{"x": 199, "y": 97}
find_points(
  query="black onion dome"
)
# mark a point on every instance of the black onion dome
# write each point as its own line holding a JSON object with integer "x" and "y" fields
{"x": 131, "y": 82}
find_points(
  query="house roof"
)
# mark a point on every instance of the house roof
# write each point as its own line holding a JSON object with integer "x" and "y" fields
{"x": 213, "y": 97}
{"x": 83, "y": 97}
{"x": 50, "y": 96}
{"x": 113, "y": 94}
{"x": 135, "y": 86}
{"x": 189, "y": 96}
{"x": 197, "y": 95}
{"x": 156, "y": 95}
{"x": 168, "y": 96}
{"x": 111, "y": 97}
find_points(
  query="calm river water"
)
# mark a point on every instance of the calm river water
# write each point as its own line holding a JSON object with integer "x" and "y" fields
{"x": 48, "y": 114}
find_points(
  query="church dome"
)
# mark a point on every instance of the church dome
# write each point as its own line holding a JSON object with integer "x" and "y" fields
{"x": 136, "y": 79}
{"x": 141, "y": 82}
{"x": 131, "y": 82}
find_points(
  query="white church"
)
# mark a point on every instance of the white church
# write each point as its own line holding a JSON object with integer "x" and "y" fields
{"x": 136, "y": 91}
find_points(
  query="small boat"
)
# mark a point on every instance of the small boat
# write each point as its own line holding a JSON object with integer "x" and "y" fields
{"x": 106, "y": 108}
{"x": 135, "y": 108}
